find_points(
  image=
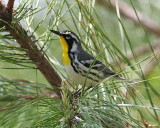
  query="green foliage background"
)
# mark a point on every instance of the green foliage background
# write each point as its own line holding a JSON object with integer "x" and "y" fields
{"x": 87, "y": 19}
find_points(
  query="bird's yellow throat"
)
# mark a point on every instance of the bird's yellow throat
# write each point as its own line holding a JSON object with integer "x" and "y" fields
{"x": 66, "y": 60}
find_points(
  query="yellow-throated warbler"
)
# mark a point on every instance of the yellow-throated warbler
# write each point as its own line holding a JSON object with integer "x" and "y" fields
{"x": 81, "y": 67}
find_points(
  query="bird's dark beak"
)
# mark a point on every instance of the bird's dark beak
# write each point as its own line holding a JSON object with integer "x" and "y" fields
{"x": 56, "y": 32}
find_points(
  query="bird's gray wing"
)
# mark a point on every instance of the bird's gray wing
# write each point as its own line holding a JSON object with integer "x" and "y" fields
{"x": 94, "y": 65}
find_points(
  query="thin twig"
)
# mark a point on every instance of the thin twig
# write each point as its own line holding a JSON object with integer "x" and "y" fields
{"x": 29, "y": 97}
{"x": 144, "y": 49}
{"x": 151, "y": 65}
{"x": 128, "y": 12}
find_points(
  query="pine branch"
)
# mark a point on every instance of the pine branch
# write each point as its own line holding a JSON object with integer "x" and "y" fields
{"x": 24, "y": 40}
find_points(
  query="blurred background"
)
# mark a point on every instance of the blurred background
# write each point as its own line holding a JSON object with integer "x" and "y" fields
{"x": 124, "y": 35}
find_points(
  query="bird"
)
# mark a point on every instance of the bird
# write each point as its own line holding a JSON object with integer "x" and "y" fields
{"x": 81, "y": 67}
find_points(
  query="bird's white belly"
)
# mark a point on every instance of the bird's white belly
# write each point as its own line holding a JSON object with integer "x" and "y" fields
{"x": 78, "y": 78}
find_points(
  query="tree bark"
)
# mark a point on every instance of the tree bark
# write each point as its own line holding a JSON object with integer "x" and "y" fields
{"x": 24, "y": 40}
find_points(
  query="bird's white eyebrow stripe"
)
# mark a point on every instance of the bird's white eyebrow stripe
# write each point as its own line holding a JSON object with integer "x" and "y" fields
{"x": 67, "y": 32}
{"x": 72, "y": 35}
